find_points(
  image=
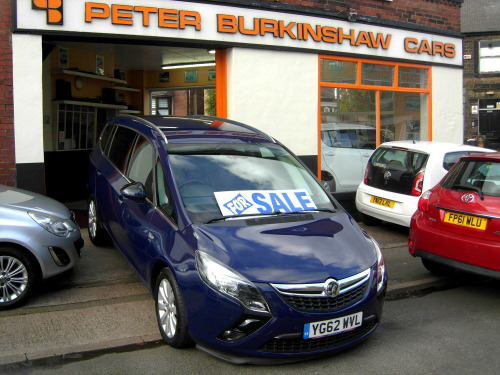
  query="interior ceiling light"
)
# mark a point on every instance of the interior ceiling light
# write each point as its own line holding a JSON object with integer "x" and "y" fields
{"x": 188, "y": 65}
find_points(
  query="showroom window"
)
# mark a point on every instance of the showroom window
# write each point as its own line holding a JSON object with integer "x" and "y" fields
{"x": 391, "y": 98}
{"x": 489, "y": 56}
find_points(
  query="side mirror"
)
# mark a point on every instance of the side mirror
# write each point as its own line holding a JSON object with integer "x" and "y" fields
{"x": 134, "y": 191}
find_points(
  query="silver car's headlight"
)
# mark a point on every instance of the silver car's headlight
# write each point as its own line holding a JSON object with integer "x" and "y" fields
{"x": 380, "y": 266}
{"x": 54, "y": 225}
{"x": 229, "y": 282}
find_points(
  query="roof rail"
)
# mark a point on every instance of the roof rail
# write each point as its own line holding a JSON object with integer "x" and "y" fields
{"x": 215, "y": 118}
{"x": 147, "y": 123}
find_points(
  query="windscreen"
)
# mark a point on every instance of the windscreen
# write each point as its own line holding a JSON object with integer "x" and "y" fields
{"x": 241, "y": 179}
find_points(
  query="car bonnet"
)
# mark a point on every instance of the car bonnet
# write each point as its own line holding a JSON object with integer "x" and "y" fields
{"x": 29, "y": 201}
{"x": 297, "y": 252}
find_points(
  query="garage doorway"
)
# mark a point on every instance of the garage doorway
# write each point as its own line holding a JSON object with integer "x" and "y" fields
{"x": 86, "y": 84}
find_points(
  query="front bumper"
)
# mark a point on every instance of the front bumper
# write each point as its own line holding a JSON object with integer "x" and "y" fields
{"x": 280, "y": 337}
{"x": 56, "y": 254}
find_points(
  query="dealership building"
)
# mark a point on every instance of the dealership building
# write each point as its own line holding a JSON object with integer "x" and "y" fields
{"x": 286, "y": 67}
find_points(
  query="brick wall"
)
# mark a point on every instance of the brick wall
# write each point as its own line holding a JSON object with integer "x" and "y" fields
{"x": 7, "y": 148}
{"x": 436, "y": 14}
{"x": 180, "y": 103}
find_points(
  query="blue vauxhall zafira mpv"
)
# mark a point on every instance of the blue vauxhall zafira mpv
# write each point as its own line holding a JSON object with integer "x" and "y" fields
{"x": 246, "y": 255}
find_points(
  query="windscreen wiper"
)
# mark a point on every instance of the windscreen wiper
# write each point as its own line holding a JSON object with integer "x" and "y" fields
{"x": 468, "y": 187}
{"x": 274, "y": 213}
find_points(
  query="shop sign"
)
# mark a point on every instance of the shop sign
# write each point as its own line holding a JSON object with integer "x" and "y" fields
{"x": 169, "y": 19}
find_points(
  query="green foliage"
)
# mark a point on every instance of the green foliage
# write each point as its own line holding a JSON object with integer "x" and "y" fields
{"x": 210, "y": 103}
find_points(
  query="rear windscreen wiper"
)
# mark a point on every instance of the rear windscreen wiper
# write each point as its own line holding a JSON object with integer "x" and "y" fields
{"x": 468, "y": 187}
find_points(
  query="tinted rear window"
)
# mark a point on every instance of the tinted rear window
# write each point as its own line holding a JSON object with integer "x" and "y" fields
{"x": 395, "y": 169}
{"x": 474, "y": 175}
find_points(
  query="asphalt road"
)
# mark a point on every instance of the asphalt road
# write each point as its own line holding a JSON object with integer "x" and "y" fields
{"x": 445, "y": 332}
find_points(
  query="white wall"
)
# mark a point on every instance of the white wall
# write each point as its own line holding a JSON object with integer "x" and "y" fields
{"x": 447, "y": 107}
{"x": 276, "y": 92}
{"x": 28, "y": 105}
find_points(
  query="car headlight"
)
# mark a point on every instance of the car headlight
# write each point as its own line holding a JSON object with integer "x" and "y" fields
{"x": 380, "y": 266}
{"x": 54, "y": 225}
{"x": 229, "y": 282}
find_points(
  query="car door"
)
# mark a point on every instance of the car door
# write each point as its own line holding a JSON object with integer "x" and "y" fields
{"x": 367, "y": 142}
{"x": 343, "y": 158}
{"x": 100, "y": 167}
{"x": 163, "y": 230}
{"x": 111, "y": 179}
{"x": 134, "y": 212}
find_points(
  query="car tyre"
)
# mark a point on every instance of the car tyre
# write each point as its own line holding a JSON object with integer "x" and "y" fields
{"x": 369, "y": 220}
{"x": 437, "y": 268}
{"x": 17, "y": 277}
{"x": 97, "y": 233}
{"x": 170, "y": 310}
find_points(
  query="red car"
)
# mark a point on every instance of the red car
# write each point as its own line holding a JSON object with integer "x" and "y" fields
{"x": 457, "y": 224}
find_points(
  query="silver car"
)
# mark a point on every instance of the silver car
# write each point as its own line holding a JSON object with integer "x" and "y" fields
{"x": 39, "y": 238}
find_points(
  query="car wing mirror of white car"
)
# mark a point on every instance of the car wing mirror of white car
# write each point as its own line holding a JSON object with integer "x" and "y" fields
{"x": 134, "y": 191}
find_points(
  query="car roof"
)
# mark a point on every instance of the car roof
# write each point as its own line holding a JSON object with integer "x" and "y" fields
{"x": 430, "y": 147}
{"x": 342, "y": 126}
{"x": 196, "y": 128}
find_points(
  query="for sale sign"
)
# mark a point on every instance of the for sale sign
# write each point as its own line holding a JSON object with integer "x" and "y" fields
{"x": 263, "y": 201}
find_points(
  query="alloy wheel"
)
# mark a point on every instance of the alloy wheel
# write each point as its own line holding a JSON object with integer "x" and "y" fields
{"x": 92, "y": 221}
{"x": 13, "y": 278}
{"x": 167, "y": 309}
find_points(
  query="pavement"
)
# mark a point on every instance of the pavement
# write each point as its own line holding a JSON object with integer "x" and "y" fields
{"x": 101, "y": 305}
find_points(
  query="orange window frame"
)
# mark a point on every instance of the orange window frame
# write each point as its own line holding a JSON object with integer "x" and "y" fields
{"x": 395, "y": 88}
{"x": 221, "y": 83}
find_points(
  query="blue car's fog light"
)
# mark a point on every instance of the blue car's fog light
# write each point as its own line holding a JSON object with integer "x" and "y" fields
{"x": 243, "y": 328}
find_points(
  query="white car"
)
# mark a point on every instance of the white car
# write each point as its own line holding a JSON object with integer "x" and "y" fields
{"x": 397, "y": 174}
{"x": 345, "y": 150}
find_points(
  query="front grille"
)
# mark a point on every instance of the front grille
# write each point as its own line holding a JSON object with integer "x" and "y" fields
{"x": 300, "y": 345}
{"x": 321, "y": 303}
{"x": 318, "y": 297}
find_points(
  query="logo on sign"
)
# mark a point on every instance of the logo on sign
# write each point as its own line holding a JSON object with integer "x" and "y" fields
{"x": 238, "y": 205}
{"x": 468, "y": 198}
{"x": 54, "y": 9}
